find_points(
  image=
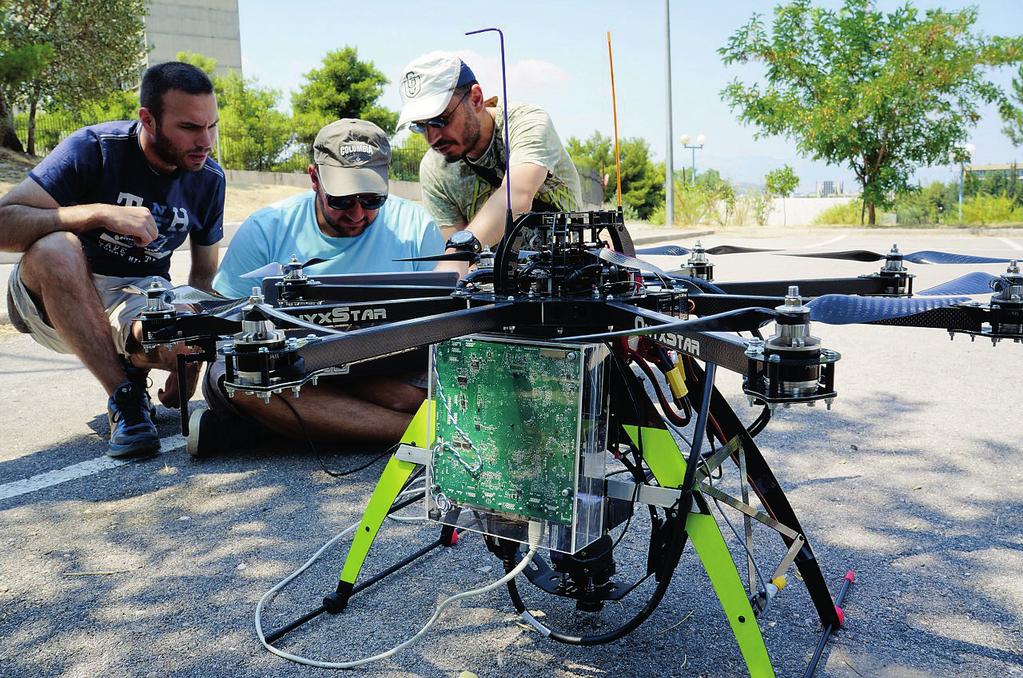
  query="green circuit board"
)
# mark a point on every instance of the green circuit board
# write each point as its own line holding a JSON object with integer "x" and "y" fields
{"x": 507, "y": 426}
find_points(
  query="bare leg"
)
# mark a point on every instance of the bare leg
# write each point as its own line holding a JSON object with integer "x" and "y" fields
{"x": 331, "y": 414}
{"x": 55, "y": 273}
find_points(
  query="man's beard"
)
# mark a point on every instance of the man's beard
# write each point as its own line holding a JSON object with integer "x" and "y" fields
{"x": 166, "y": 151}
{"x": 470, "y": 135}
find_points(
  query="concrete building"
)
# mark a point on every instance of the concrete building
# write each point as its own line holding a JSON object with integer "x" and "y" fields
{"x": 829, "y": 188}
{"x": 209, "y": 27}
{"x": 981, "y": 171}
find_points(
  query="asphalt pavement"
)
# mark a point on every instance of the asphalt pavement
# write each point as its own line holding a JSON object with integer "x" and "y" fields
{"x": 154, "y": 567}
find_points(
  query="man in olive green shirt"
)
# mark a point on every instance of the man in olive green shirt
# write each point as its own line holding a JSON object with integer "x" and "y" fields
{"x": 463, "y": 174}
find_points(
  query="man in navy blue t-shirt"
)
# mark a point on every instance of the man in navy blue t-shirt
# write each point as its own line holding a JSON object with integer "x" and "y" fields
{"x": 106, "y": 209}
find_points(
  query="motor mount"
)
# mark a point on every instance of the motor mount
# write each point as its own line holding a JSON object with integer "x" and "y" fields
{"x": 791, "y": 366}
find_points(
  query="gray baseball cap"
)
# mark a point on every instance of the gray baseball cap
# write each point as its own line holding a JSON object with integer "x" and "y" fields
{"x": 351, "y": 157}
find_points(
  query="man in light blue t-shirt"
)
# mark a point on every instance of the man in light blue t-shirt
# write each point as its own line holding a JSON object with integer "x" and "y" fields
{"x": 348, "y": 220}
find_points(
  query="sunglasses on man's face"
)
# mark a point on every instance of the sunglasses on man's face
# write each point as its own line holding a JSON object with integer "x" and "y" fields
{"x": 347, "y": 202}
{"x": 440, "y": 122}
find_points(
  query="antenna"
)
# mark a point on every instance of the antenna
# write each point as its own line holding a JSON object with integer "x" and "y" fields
{"x": 614, "y": 112}
{"x": 507, "y": 145}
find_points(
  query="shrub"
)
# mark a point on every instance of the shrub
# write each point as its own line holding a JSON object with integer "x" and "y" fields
{"x": 846, "y": 214}
{"x": 981, "y": 210}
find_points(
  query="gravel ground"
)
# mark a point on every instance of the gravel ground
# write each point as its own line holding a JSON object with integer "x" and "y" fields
{"x": 154, "y": 568}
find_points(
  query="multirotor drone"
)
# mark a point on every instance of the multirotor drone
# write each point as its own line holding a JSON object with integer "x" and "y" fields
{"x": 567, "y": 379}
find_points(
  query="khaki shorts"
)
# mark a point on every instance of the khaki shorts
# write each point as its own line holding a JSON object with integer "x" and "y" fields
{"x": 121, "y": 307}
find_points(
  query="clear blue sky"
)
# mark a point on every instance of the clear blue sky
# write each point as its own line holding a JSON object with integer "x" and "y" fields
{"x": 557, "y": 58}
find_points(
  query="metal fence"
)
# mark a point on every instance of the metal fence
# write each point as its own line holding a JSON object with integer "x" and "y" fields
{"x": 231, "y": 151}
{"x": 244, "y": 153}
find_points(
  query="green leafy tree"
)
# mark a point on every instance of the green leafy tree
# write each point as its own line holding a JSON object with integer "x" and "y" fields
{"x": 1012, "y": 111}
{"x": 642, "y": 179}
{"x": 881, "y": 93}
{"x": 253, "y": 133}
{"x": 782, "y": 182}
{"x": 406, "y": 156}
{"x": 97, "y": 47}
{"x": 17, "y": 65}
{"x": 343, "y": 87}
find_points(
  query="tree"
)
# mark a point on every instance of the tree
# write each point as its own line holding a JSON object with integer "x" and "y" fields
{"x": 642, "y": 179}
{"x": 1012, "y": 114}
{"x": 881, "y": 93}
{"x": 344, "y": 87}
{"x": 16, "y": 66}
{"x": 253, "y": 134}
{"x": 406, "y": 156}
{"x": 782, "y": 182}
{"x": 97, "y": 47}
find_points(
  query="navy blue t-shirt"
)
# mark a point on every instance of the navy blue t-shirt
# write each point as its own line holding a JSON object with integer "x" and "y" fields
{"x": 104, "y": 164}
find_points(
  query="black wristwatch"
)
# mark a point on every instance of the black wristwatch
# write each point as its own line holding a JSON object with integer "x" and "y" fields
{"x": 464, "y": 241}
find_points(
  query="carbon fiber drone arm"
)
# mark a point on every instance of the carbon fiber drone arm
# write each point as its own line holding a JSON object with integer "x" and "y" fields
{"x": 371, "y": 342}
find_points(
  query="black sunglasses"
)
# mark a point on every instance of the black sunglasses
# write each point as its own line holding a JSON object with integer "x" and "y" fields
{"x": 440, "y": 122}
{"x": 347, "y": 202}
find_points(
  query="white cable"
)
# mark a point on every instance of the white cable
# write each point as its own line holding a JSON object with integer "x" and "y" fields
{"x": 419, "y": 485}
{"x": 535, "y": 535}
{"x": 272, "y": 593}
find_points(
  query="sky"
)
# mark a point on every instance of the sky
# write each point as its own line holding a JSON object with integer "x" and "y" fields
{"x": 557, "y": 58}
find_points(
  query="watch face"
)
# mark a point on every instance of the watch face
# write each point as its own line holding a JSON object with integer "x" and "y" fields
{"x": 464, "y": 240}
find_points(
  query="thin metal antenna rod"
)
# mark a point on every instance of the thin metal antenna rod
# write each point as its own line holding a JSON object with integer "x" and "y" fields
{"x": 507, "y": 145}
{"x": 614, "y": 113}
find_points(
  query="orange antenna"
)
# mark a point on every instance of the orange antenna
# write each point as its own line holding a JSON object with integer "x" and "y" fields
{"x": 614, "y": 112}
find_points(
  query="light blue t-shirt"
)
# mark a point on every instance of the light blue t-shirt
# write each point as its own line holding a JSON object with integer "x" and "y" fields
{"x": 401, "y": 229}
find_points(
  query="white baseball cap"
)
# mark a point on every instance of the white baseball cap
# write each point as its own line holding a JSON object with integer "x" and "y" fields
{"x": 427, "y": 83}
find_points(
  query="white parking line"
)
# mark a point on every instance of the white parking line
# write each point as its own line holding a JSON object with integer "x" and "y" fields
{"x": 1015, "y": 246}
{"x": 76, "y": 471}
{"x": 821, "y": 244}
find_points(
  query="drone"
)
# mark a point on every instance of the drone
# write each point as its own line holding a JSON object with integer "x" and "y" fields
{"x": 572, "y": 388}
{"x": 548, "y": 338}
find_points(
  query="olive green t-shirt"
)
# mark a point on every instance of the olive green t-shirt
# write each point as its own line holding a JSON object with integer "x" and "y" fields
{"x": 453, "y": 192}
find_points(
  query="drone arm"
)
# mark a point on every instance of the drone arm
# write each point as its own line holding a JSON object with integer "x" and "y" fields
{"x": 379, "y": 341}
{"x": 864, "y": 285}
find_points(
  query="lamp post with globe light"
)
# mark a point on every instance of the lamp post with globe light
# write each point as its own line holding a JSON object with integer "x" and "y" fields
{"x": 967, "y": 150}
{"x": 693, "y": 147}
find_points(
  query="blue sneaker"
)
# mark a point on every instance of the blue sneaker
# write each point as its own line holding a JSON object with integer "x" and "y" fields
{"x": 132, "y": 432}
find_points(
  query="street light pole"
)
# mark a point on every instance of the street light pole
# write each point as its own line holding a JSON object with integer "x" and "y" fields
{"x": 694, "y": 147}
{"x": 669, "y": 179}
{"x": 968, "y": 149}
{"x": 961, "y": 171}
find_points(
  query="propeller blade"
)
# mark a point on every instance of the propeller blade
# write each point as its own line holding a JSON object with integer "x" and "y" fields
{"x": 849, "y": 255}
{"x": 931, "y": 257}
{"x": 185, "y": 294}
{"x": 625, "y": 261}
{"x": 666, "y": 250}
{"x": 272, "y": 268}
{"x": 129, "y": 288}
{"x": 679, "y": 251}
{"x": 734, "y": 249}
{"x": 449, "y": 256}
{"x": 977, "y": 282}
{"x": 275, "y": 268}
{"x": 846, "y": 309}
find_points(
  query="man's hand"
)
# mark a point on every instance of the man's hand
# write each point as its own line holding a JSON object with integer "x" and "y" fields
{"x": 135, "y": 222}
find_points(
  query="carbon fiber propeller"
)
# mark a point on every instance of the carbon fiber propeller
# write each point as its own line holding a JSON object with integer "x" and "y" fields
{"x": 921, "y": 257}
{"x": 275, "y": 268}
{"x": 679, "y": 251}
